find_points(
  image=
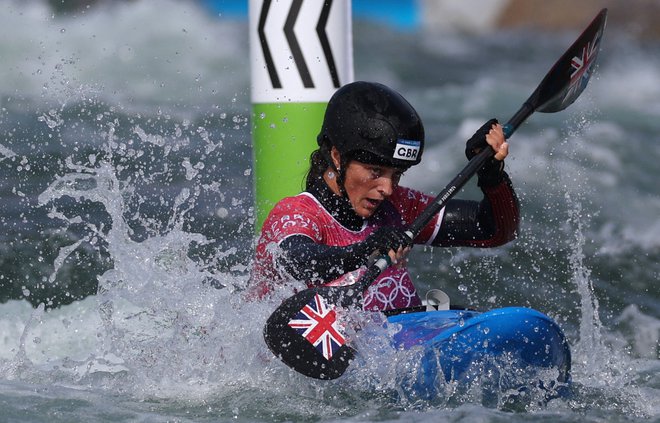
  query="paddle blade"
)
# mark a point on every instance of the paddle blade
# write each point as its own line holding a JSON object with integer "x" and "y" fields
{"x": 570, "y": 75}
{"x": 305, "y": 334}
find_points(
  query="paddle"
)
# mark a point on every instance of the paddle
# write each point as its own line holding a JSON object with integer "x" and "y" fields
{"x": 304, "y": 331}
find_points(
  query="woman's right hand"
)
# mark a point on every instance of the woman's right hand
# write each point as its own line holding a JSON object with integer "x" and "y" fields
{"x": 399, "y": 257}
{"x": 389, "y": 240}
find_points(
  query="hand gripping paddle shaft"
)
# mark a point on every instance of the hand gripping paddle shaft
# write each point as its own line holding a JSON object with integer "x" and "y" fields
{"x": 304, "y": 332}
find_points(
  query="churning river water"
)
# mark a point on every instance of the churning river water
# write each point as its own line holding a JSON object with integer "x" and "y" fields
{"x": 126, "y": 221}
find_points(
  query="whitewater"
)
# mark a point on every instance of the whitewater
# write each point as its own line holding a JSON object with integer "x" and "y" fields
{"x": 127, "y": 220}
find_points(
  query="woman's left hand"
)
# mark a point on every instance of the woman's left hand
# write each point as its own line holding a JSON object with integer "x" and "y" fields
{"x": 495, "y": 138}
{"x": 490, "y": 134}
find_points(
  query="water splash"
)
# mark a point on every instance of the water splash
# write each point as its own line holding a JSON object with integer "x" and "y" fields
{"x": 14, "y": 368}
{"x": 590, "y": 347}
{"x": 134, "y": 353}
{"x": 602, "y": 370}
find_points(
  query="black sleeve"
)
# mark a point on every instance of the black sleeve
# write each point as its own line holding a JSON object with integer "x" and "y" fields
{"x": 466, "y": 220}
{"x": 491, "y": 222}
{"x": 306, "y": 260}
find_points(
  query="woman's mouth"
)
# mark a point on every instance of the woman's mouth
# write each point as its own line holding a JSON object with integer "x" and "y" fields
{"x": 373, "y": 204}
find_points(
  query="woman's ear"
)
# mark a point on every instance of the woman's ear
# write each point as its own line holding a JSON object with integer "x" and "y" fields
{"x": 336, "y": 157}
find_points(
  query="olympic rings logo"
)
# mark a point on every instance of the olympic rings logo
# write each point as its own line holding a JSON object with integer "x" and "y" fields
{"x": 390, "y": 292}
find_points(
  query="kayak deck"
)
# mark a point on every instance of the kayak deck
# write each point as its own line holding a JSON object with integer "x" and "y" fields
{"x": 460, "y": 345}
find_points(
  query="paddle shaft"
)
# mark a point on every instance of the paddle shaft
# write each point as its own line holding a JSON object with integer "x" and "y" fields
{"x": 560, "y": 87}
{"x": 473, "y": 166}
{"x": 476, "y": 163}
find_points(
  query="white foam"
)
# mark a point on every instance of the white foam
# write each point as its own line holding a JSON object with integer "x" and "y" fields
{"x": 146, "y": 54}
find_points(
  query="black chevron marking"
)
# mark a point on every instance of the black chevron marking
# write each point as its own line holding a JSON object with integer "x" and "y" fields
{"x": 325, "y": 43}
{"x": 295, "y": 47}
{"x": 270, "y": 65}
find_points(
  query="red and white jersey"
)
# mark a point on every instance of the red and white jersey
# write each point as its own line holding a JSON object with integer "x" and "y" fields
{"x": 304, "y": 215}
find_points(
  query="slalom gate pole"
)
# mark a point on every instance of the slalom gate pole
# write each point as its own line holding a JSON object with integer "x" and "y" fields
{"x": 300, "y": 53}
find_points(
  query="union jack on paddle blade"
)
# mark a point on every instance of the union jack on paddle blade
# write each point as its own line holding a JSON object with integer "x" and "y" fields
{"x": 582, "y": 68}
{"x": 317, "y": 322}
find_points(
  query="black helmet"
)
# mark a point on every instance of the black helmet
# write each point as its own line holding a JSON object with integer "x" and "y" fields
{"x": 372, "y": 123}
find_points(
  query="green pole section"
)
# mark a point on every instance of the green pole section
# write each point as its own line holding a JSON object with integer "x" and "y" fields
{"x": 284, "y": 136}
{"x": 300, "y": 53}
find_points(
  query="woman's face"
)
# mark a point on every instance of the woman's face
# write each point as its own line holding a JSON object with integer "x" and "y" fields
{"x": 368, "y": 185}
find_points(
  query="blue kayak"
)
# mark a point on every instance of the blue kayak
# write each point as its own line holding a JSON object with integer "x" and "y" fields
{"x": 516, "y": 344}
{"x": 505, "y": 350}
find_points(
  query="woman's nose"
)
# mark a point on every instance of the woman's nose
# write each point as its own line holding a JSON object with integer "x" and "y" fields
{"x": 386, "y": 187}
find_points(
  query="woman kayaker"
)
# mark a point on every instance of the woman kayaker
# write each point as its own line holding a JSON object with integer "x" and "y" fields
{"x": 353, "y": 205}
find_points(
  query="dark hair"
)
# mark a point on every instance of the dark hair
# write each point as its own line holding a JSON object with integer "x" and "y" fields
{"x": 317, "y": 166}
{"x": 320, "y": 160}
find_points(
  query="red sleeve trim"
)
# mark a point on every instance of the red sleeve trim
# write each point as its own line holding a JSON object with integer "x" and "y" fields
{"x": 506, "y": 213}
